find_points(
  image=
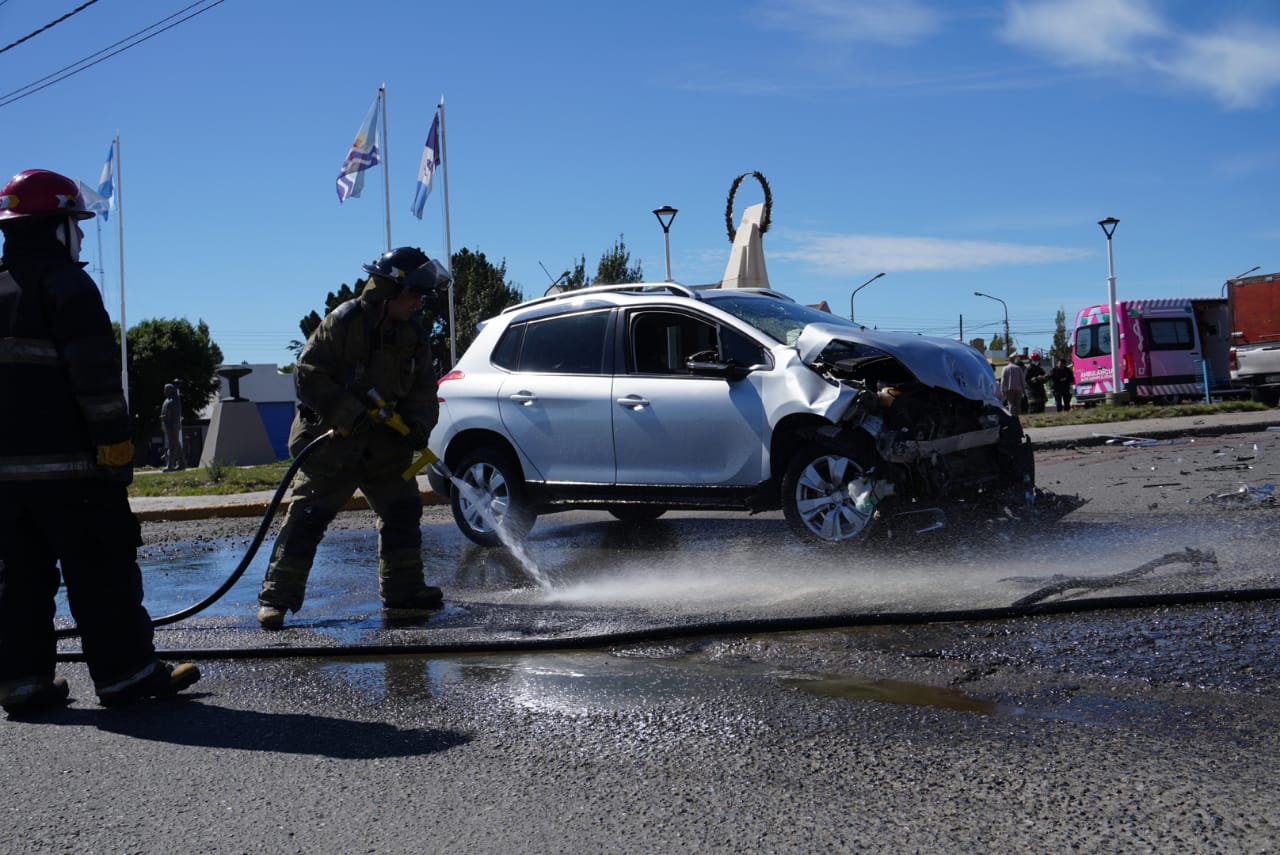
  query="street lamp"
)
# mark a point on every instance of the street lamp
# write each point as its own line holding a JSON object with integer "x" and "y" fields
{"x": 1241, "y": 276}
{"x": 666, "y": 216}
{"x": 859, "y": 288}
{"x": 1008, "y": 345}
{"x": 1109, "y": 228}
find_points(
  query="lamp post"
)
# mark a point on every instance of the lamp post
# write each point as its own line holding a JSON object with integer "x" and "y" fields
{"x": 1109, "y": 228}
{"x": 1236, "y": 278}
{"x": 666, "y": 216}
{"x": 859, "y": 288}
{"x": 1008, "y": 345}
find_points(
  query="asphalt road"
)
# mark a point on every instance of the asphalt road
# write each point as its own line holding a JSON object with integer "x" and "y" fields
{"x": 1149, "y": 729}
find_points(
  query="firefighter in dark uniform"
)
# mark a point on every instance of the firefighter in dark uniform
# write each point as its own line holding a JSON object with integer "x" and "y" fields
{"x": 371, "y": 347}
{"x": 65, "y": 462}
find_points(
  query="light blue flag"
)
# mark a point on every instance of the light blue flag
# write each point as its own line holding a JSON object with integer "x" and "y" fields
{"x": 363, "y": 154}
{"x": 106, "y": 190}
{"x": 427, "y": 170}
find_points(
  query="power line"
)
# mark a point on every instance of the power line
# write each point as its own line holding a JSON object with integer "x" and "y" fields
{"x": 79, "y": 8}
{"x": 84, "y": 63}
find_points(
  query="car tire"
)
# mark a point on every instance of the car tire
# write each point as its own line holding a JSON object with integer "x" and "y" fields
{"x": 636, "y": 513}
{"x": 819, "y": 503}
{"x": 489, "y": 502}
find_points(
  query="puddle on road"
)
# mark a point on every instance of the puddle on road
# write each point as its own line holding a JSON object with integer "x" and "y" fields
{"x": 899, "y": 692}
{"x": 580, "y": 684}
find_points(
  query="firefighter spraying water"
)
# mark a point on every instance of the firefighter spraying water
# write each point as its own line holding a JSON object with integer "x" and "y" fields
{"x": 366, "y": 373}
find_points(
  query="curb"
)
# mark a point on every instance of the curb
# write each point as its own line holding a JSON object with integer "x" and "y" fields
{"x": 252, "y": 508}
{"x": 1157, "y": 433}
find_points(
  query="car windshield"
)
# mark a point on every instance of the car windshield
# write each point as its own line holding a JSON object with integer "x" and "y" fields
{"x": 781, "y": 320}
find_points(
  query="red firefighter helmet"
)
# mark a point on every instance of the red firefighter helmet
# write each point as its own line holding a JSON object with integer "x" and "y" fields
{"x": 40, "y": 193}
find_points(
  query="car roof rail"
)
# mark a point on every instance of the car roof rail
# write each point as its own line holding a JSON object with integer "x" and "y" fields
{"x": 633, "y": 287}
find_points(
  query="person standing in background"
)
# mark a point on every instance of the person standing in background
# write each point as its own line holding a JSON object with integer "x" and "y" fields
{"x": 1013, "y": 384}
{"x": 1063, "y": 381}
{"x": 171, "y": 422}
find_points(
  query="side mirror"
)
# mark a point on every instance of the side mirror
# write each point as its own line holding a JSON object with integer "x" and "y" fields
{"x": 708, "y": 365}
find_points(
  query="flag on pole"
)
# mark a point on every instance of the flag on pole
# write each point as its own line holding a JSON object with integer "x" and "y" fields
{"x": 106, "y": 190}
{"x": 430, "y": 160}
{"x": 363, "y": 154}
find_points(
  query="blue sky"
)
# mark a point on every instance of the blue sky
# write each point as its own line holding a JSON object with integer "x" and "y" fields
{"x": 957, "y": 147}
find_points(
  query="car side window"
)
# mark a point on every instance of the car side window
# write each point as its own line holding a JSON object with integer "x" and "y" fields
{"x": 566, "y": 344}
{"x": 1170, "y": 333}
{"x": 661, "y": 342}
{"x": 736, "y": 347}
{"x": 506, "y": 354}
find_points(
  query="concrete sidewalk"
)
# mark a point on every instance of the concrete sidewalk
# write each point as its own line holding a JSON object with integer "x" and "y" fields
{"x": 152, "y": 508}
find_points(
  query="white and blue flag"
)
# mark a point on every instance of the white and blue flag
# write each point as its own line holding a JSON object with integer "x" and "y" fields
{"x": 427, "y": 170}
{"x": 363, "y": 154}
{"x": 106, "y": 190}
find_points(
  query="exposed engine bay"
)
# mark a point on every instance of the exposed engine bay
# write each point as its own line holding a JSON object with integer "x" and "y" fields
{"x": 931, "y": 442}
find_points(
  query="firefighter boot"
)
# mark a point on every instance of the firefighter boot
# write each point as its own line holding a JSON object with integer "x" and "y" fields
{"x": 404, "y": 588}
{"x": 32, "y": 694}
{"x": 156, "y": 680}
{"x": 283, "y": 590}
{"x": 271, "y": 617}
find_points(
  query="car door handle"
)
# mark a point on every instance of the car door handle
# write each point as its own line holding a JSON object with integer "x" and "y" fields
{"x": 523, "y": 398}
{"x": 634, "y": 402}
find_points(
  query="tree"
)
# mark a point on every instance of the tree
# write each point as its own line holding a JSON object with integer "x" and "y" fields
{"x": 573, "y": 279}
{"x": 331, "y": 301}
{"x": 614, "y": 269}
{"x": 165, "y": 350}
{"x": 615, "y": 266}
{"x": 480, "y": 291}
{"x": 997, "y": 343}
{"x": 1061, "y": 348}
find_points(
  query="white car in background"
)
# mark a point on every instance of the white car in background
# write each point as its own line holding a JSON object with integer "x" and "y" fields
{"x": 637, "y": 399}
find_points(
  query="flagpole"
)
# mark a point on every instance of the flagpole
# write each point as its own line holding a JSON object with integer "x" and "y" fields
{"x": 386, "y": 162}
{"x": 124, "y": 327}
{"x": 102, "y": 271}
{"x": 448, "y": 245}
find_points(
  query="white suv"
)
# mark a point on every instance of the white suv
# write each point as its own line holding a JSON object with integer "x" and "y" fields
{"x": 636, "y": 399}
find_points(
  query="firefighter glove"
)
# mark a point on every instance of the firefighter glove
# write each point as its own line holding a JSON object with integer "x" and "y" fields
{"x": 116, "y": 454}
{"x": 419, "y": 435}
{"x": 116, "y": 461}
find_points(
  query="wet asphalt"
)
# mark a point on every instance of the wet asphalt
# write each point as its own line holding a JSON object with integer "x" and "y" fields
{"x": 1133, "y": 729}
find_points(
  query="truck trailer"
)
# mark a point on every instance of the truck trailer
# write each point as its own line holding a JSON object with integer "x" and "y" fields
{"x": 1254, "y": 356}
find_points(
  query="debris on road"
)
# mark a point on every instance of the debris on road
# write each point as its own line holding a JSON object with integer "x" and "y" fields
{"x": 1202, "y": 562}
{"x": 1244, "y": 496}
{"x": 1140, "y": 441}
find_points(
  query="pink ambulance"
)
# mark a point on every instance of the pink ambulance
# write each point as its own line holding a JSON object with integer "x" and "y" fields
{"x": 1169, "y": 349}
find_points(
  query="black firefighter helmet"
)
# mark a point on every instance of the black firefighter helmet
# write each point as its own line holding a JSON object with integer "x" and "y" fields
{"x": 409, "y": 268}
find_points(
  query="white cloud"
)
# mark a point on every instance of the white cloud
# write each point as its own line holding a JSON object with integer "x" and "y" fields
{"x": 1084, "y": 32}
{"x": 1238, "y": 67}
{"x": 838, "y": 254}
{"x": 897, "y": 22}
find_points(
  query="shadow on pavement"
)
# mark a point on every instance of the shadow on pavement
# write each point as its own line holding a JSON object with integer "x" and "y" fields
{"x": 185, "y": 721}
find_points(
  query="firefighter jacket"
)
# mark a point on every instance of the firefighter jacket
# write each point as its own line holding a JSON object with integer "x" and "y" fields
{"x": 59, "y": 369}
{"x": 349, "y": 355}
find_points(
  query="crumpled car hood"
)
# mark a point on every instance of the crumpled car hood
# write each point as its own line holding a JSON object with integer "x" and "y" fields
{"x": 939, "y": 362}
